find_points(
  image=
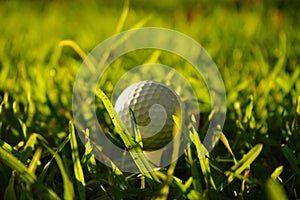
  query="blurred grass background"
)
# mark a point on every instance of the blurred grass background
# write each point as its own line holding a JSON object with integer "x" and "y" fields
{"x": 254, "y": 43}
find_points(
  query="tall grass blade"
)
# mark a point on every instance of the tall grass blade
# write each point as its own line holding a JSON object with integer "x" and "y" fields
{"x": 195, "y": 170}
{"x": 204, "y": 162}
{"x": 164, "y": 191}
{"x": 76, "y": 162}
{"x": 134, "y": 149}
{"x": 136, "y": 130}
{"x": 68, "y": 185}
{"x": 60, "y": 147}
{"x": 123, "y": 16}
{"x": 88, "y": 158}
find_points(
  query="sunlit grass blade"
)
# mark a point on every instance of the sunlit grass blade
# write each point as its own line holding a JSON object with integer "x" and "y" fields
{"x": 244, "y": 163}
{"x": 133, "y": 148}
{"x": 29, "y": 147}
{"x": 123, "y": 16}
{"x": 79, "y": 51}
{"x": 79, "y": 176}
{"x": 224, "y": 140}
{"x": 136, "y": 130}
{"x": 10, "y": 149}
{"x": 276, "y": 172}
{"x": 153, "y": 58}
{"x": 298, "y": 106}
{"x": 249, "y": 109}
{"x": 164, "y": 191}
{"x": 35, "y": 160}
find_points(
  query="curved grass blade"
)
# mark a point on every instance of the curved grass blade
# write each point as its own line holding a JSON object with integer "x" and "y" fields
{"x": 227, "y": 145}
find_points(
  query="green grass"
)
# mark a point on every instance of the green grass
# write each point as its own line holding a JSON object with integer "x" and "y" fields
{"x": 256, "y": 47}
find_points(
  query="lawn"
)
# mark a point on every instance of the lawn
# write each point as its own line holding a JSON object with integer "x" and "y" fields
{"x": 256, "y": 46}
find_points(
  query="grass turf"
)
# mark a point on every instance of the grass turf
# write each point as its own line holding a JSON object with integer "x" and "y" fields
{"x": 256, "y": 47}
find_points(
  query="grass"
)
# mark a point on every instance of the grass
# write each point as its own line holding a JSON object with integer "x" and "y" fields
{"x": 256, "y": 47}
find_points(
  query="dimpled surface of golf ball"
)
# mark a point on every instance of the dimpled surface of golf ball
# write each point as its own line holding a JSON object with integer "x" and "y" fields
{"x": 153, "y": 105}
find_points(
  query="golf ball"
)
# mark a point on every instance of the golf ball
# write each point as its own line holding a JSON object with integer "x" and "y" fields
{"x": 153, "y": 105}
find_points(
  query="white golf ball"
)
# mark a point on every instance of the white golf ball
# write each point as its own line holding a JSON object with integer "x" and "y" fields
{"x": 153, "y": 105}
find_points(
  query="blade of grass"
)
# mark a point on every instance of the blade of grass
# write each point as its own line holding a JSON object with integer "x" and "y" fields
{"x": 35, "y": 160}
{"x": 29, "y": 147}
{"x": 10, "y": 149}
{"x": 276, "y": 172}
{"x": 123, "y": 16}
{"x": 275, "y": 191}
{"x": 195, "y": 168}
{"x": 25, "y": 174}
{"x": 98, "y": 148}
{"x": 204, "y": 162}
{"x": 298, "y": 106}
{"x": 10, "y": 193}
{"x": 68, "y": 186}
{"x": 76, "y": 162}
{"x": 46, "y": 167}
{"x": 134, "y": 149}
{"x": 185, "y": 189}
{"x": 195, "y": 171}
{"x": 287, "y": 152}
{"x": 226, "y": 143}
{"x": 88, "y": 158}
{"x": 136, "y": 130}
{"x": 164, "y": 191}
{"x": 79, "y": 51}
{"x": 18, "y": 166}
{"x": 244, "y": 163}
